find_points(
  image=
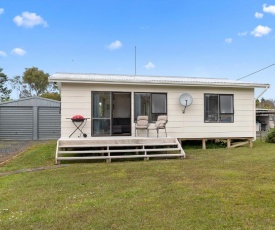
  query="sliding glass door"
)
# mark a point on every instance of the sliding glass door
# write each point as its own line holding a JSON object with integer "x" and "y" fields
{"x": 111, "y": 114}
{"x": 101, "y": 119}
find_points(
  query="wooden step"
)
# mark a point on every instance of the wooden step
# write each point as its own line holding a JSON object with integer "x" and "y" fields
{"x": 120, "y": 157}
{"x": 114, "y": 145}
{"x": 118, "y": 151}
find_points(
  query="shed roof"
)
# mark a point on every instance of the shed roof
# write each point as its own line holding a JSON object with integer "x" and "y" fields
{"x": 152, "y": 80}
{"x": 32, "y": 101}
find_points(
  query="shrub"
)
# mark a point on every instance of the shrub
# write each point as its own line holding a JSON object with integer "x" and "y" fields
{"x": 270, "y": 138}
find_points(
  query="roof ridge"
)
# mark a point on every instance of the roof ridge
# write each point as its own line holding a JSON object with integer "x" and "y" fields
{"x": 130, "y": 75}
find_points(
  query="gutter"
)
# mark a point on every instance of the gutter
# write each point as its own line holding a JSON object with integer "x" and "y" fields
{"x": 194, "y": 84}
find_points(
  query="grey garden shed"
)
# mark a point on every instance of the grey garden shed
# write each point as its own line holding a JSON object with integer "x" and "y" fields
{"x": 32, "y": 118}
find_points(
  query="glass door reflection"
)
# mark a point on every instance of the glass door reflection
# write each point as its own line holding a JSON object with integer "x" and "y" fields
{"x": 101, "y": 113}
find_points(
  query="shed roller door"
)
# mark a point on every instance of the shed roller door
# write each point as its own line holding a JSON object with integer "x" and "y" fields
{"x": 16, "y": 123}
{"x": 49, "y": 121}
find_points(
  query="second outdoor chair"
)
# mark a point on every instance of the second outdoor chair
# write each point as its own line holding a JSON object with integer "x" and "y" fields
{"x": 160, "y": 124}
{"x": 142, "y": 123}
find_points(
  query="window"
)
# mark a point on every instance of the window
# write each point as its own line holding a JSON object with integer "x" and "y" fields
{"x": 219, "y": 108}
{"x": 150, "y": 104}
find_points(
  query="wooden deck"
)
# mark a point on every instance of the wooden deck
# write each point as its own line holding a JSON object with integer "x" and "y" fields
{"x": 109, "y": 148}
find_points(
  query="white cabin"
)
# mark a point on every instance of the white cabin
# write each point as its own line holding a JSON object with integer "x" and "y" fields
{"x": 220, "y": 108}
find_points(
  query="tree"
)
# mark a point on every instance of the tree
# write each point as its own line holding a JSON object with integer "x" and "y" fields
{"x": 20, "y": 88}
{"x": 36, "y": 80}
{"x": 4, "y": 91}
{"x": 53, "y": 96}
{"x": 257, "y": 103}
{"x": 265, "y": 104}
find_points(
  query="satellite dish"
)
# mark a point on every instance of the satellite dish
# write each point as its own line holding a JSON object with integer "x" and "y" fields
{"x": 185, "y": 100}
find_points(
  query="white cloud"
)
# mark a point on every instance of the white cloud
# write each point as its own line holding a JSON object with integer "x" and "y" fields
{"x": 149, "y": 65}
{"x": 3, "y": 54}
{"x": 18, "y": 51}
{"x": 269, "y": 9}
{"x": 29, "y": 20}
{"x": 114, "y": 45}
{"x": 228, "y": 40}
{"x": 241, "y": 34}
{"x": 260, "y": 31}
{"x": 1, "y": 11}
{"x": 258, "y": 15}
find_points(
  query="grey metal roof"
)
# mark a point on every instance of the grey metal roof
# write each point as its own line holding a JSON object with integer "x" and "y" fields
{"x": 32, "y": 101}
{"x": 153, "y": 80}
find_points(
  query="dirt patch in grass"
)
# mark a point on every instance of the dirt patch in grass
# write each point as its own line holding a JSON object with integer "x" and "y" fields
{"x": 10, "y": 149}
{"x": 32, "y": 170}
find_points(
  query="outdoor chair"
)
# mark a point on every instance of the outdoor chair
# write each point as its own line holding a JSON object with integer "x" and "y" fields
{"x": 160, "y": 124}
{"x": 142, "y": 123}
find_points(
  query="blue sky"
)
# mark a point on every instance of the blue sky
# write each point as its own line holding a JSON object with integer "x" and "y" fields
{"x": 217, "y": 39}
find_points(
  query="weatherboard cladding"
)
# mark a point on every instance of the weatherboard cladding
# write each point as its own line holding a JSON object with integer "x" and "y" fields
{"x": 76, "y": 99}
{"x": 131, "y": 79}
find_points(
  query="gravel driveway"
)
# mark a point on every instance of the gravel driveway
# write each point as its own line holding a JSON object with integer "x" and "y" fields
{"x": 8, "y": 149}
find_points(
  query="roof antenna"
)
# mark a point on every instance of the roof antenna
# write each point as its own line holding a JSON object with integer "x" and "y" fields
{"x": 135, "y": 60}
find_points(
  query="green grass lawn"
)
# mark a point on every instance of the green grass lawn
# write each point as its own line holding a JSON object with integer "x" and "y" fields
{"x": 210, "y": 189}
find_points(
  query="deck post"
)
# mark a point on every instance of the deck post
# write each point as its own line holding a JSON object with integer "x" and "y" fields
{"x": 250, "y": 143}
{"x": 108, "y": 160}
{"x": 204, "y": 143}
{"x": 145, "y": 153}
{"x": 228, "y": 143}
{"x": 57, "y": 162}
